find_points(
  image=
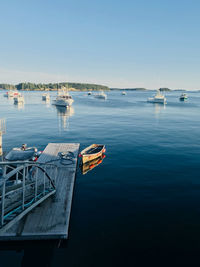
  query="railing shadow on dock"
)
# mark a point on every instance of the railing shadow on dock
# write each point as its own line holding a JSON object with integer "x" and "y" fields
{"x": 22, "y": 188}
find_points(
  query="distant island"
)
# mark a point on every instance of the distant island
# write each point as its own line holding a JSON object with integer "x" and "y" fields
{"x": 165, "y": 90}
{"x": 129, "y": 89}
{"x": 54, "y": 86}
{"x": 145, "y": 89}
{"x": 72, "y": 87}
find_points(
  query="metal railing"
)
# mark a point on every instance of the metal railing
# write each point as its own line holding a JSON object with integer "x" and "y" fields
{"x": 23, "y": 186}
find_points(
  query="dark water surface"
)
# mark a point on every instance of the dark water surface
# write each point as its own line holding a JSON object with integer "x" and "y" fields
{"x": 141, "y": 206}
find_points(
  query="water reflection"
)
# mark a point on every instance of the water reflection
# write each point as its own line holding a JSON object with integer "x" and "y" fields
{"x": 19, "y": 105}
{"x": 158, "y": 109}
{"x": 88, "y": 166}
{"x": 47, "y": 102}
{"x": 63, "y": 116}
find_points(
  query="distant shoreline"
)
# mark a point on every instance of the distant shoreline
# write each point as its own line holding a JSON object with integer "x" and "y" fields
{"x": 91, "y": 90}
{"x": 54, "y": 86}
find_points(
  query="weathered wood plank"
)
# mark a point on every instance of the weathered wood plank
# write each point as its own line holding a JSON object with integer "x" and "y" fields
{"x": 50, "y": 220}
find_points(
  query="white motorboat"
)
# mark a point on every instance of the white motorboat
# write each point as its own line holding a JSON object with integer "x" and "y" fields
{"x": 101, "y": 95}
{"x": 18, "y": 99}
{"x": 12, "y": 93}
{"x": 158, "y": 98}
{"x": 63, "y": 98}
{"x": 46, "y": 97}
{"x": 123, "y": 93}
{"x": 183, "y": 97}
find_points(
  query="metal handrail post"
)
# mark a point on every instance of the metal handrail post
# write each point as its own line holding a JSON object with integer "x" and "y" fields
{"x": 44, "y": 180}
{"x": 2, "y": 202}
{"x": 36, "y": 176}
{"x": 23, "y": 192}
{"x": 17, "y": 176}
{"x": 56, "y": 172}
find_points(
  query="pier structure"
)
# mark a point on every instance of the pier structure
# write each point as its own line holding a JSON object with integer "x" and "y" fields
{"x": 36, "y": 198}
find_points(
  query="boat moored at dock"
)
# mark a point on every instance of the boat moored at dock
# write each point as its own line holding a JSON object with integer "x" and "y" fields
{"x": 23, "y": 153}
{"x": 92, "y": 152}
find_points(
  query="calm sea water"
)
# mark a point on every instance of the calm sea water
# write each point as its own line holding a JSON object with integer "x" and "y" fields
{"x": 141, "y": 206}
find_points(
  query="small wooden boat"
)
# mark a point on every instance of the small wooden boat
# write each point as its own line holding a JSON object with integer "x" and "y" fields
{"x": 92, "y": 152}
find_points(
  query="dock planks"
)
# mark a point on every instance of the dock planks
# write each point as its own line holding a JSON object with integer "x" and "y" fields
{"x": 50, "y": 220}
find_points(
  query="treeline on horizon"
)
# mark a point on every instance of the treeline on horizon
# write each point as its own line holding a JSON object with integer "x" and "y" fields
{"x": 145, "y": 89}
{"x": 53, "y": 86}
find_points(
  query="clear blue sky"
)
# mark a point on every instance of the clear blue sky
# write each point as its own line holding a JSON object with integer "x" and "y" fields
{"x": 119, "y": 43}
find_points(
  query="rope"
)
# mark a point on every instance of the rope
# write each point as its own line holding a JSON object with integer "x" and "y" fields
{"x": 63, "y": 157}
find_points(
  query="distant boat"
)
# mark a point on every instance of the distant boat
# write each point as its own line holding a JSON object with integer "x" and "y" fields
{"x": 101, "y": 95}
{"x": 123, "y": 93}
{"x": 158, "y": 98}
{"x": 92, "y": 152}
{"x": 183, "y": 97}
{"x": 18, "y": 99}
{"x": 46, "y": 97}
{"x": 63, "y": 98}
{"x": 89, "y": 93}
{"x": 12, "y": 93}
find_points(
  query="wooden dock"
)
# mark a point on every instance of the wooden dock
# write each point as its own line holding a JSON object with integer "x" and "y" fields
{"x": 50, "y": 220}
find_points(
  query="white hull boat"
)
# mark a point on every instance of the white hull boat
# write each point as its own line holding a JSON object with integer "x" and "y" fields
{"x": 12, "y": 93}
{"x": 63, "y": 99}
{"x": 46, "y": 97}
{"x": 158, "y": 98}
{"x": 101, "y": 95}
{"x": 18, "y": 99}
